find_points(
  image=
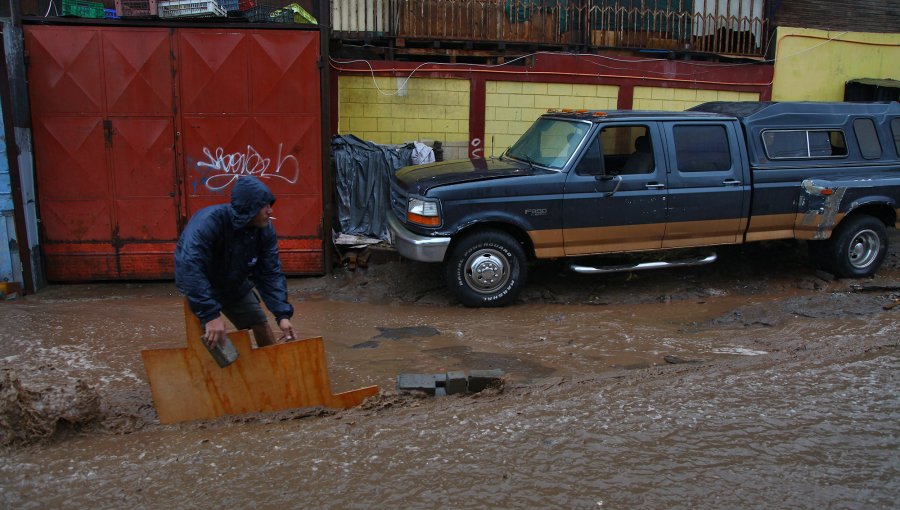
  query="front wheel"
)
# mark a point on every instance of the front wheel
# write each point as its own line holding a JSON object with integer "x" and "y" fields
{"x": 486, "y": 269}
{"x": 856, "y": 248}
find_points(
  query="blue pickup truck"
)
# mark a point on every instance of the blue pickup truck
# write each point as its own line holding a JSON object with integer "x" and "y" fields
{"x": 581, "y": 183}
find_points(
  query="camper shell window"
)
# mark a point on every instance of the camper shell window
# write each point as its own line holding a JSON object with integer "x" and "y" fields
{"x": 867, "y": 136}
{"x": 804, "y": 144}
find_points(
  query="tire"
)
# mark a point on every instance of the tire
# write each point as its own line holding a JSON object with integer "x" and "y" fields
{"x": 486, "y": 269}
{"x": 856, "y": 249}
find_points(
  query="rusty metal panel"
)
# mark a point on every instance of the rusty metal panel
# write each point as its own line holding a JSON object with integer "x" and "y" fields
{"x": 137, "y": 69}
{"x": 106, "y": 111}
{"x": 143, "y": 156}
{"x": 104, "y": 145}
{"x": 65, "y": 70}
{"x": 213, "y": 66}
{"x": 272, "y": 129}
{"x": 283, "y": 73}
{"x": 72, "y": 177}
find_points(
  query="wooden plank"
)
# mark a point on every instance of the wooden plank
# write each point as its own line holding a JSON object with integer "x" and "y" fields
{"x": 187, "y": 384}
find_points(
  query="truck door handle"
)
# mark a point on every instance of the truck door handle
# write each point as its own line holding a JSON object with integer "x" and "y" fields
{"x": 654, "y": 185}
{"x": 731, "y": 182}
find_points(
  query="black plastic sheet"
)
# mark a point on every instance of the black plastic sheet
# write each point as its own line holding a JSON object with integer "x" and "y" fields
{"x": 363, "y": 178}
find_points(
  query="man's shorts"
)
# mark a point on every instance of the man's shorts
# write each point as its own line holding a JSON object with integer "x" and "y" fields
{"x": 245, "y": 312}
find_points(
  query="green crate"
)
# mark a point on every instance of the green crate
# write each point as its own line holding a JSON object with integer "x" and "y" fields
{"x": 83, "y": 9}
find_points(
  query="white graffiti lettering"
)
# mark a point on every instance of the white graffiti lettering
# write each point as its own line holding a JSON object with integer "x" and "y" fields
{"x": 474, "y": 152}
{"x": 226, "y": 168}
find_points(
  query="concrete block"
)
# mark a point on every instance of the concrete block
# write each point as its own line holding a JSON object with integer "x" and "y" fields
{"x": 457, "y": 382}
{"x": 537, "y": 89}
{"x": 481, "y": 379}
{"x": 422, "y": 382}
{"x": 559, "y": 89}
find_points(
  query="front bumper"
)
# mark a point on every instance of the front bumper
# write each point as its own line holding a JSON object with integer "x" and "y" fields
{"x": 416, "y": 247}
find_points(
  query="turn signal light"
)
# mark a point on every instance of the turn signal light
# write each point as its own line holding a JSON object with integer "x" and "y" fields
{"x": 427, "y": 221}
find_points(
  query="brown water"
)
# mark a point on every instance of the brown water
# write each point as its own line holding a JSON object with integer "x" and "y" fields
{"x": 793, "y": 403}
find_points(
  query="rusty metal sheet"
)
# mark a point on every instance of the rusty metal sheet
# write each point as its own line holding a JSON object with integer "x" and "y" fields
{"x": 137, "y": 71}
{"x": 64, "y": 70}
{"x": 212, "y": 68}
{"x": 272, "y": 129}
{"x": 106, "y": 108}
{"x": 143, "y": 157}
{"x": 104, "y": 144}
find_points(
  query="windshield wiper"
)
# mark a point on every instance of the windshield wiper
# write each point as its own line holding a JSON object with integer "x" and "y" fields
{"x": 529, "y": 161}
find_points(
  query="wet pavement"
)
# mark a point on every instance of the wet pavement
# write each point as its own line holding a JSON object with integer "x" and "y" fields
{"x": 737, "y": 385}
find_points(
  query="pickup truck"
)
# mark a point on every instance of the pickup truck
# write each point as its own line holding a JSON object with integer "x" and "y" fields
{"x": 581, "y": 183}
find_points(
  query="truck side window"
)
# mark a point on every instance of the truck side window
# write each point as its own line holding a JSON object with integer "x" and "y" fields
{"x": 869, "y": 145}
{"x": 592, "y": 161}
{"x": 702, "y": 148}
{"x": 621, "y": 150}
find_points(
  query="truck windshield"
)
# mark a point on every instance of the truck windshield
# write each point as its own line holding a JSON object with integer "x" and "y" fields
{"x": 549, "y": 142}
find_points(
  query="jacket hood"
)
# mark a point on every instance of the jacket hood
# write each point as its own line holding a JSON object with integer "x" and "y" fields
{"x": 248, "y": 196}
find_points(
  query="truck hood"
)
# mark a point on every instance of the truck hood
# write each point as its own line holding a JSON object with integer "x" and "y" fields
{"x": 419, "y": 179}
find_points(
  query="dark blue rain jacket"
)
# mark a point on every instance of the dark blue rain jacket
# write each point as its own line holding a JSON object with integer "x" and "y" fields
{"x": 220, "y": 256}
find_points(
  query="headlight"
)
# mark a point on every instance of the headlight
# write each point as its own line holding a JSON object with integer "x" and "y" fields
{"x": 423, "y": 212}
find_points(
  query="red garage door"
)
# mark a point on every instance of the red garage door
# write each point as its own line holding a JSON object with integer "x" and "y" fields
{"x": 137, "y": 128}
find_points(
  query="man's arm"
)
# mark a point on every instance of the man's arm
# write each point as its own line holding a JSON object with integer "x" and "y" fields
{"x": 193, "y": 256}
{"x": 271, "y": 283}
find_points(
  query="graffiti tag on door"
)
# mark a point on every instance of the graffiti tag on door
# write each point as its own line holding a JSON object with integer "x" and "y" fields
{"x": 226, "y": 168}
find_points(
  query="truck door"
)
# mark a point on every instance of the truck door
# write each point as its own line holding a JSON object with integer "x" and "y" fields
{"x": 709, "y": 196}
{"x": 615, "y": 196}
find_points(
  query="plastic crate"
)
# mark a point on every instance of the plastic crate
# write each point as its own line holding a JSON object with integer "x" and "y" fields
{"x": 277, "y": 12}
{"x": 83, "y": 9}
{"x": 110, "y": 14}
{"x": 190, "y": 8}
{"x": 269, "y": 14}
{"x": 136, "y": 8}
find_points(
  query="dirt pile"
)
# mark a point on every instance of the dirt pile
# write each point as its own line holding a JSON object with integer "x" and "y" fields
{"x": 45, "y": 403}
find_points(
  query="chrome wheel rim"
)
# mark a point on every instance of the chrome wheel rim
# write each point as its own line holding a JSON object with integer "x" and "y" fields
{"x": 863, "y": 249}
{"x": 486, "y": 271}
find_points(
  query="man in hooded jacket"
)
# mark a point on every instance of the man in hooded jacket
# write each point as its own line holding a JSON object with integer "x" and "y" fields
{"x": 224, "y": 252}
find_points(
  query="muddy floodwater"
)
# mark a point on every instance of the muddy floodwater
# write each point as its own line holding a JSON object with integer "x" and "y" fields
{"x": 754, "y": 382}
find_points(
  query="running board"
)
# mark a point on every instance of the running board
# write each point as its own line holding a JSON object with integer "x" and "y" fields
{"x": 696, "y": 261}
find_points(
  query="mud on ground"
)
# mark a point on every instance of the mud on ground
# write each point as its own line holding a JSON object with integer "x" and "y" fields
{"x": 758, "y": 287}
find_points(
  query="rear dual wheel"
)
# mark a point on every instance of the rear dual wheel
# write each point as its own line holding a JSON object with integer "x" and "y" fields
{"x": 486, "y": 269}
{"x": 856, "y": 249}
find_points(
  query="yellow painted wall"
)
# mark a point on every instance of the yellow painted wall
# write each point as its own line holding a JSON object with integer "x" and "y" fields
{"x": 430, "y": 109}
{"x": 676, "y": 100}
{"x": 813, "y": 65}
{"x": 511, "y": 107}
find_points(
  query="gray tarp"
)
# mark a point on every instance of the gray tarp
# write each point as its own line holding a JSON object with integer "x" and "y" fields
{"x": 362, "y": 178}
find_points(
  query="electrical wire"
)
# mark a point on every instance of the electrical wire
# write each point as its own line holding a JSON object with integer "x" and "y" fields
{"x": 593, "y": 59}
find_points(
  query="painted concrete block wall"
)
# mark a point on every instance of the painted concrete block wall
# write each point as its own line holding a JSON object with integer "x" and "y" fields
{"x": 424, "y": 109}
{"x": 511, "y": 107}
{"x": 676, "y": 100}
{"x": 814, "y": 65}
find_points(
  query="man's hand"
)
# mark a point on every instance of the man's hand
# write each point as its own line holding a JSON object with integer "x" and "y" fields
{"x": 287, "y": 329}
{"x": 215, "y": 332}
